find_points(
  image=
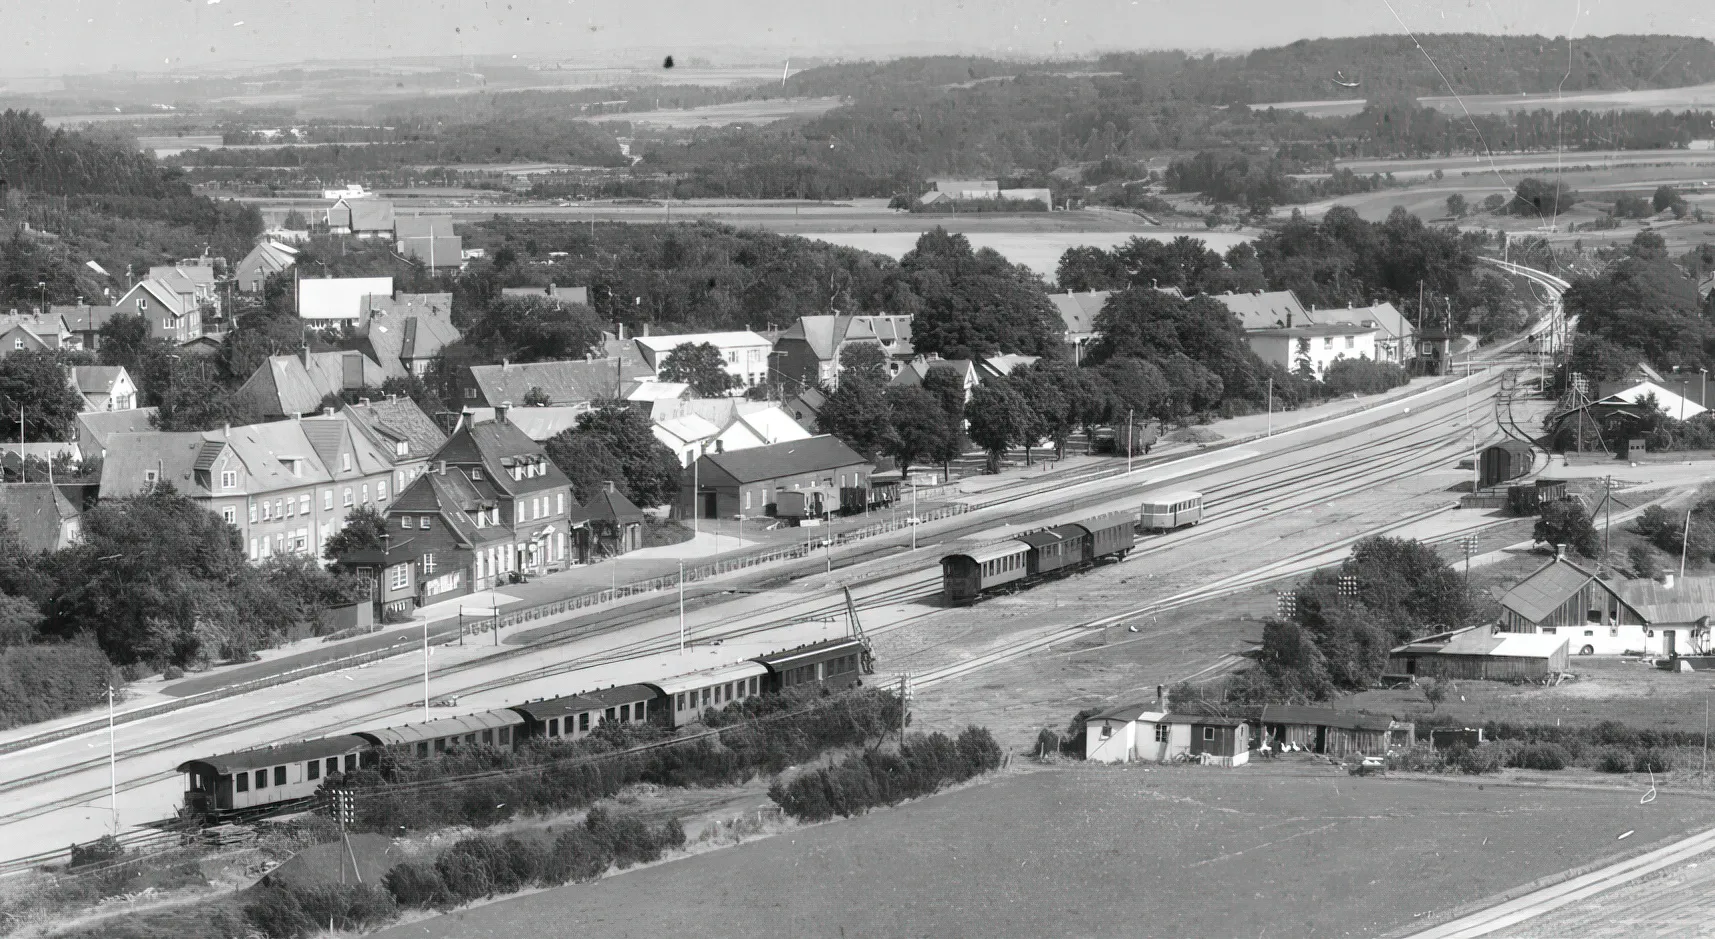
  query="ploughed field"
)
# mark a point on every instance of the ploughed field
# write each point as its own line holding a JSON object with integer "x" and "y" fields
{"x": 1292, "y": 849}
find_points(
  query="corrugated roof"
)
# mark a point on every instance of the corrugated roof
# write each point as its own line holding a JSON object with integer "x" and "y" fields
{"x": 284, "y": 753}
{"x": 794, "y": 457}
{"x": 1687, "y": 601}
{"x": 444, "y": 727}
{"x": 1512, "y": 645}
{"x": 1126, "y": 713}
{"x": 1540, "y": 594}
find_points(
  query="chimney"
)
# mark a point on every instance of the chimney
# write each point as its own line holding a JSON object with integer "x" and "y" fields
{"x": 327, "y": 412}
{"x": 645, "y": 329}
{"x": 227, "y": 430}
{"x": 505, "y": 365}
{"x": 609, "y": 486}
{"x": 500, "y": 411}
{"x": 364, "y": 402}
{"x": 297, "y": 415}
{"x": 1560, "y": 552}
{"x": 1667, "y": 581}
{"x": 441, "y": 467}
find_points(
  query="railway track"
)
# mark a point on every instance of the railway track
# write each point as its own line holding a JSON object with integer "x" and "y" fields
{"x": 1401, "y": 452}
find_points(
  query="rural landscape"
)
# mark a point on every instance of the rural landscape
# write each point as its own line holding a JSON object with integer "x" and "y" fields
{"x": 1066, "y": 472}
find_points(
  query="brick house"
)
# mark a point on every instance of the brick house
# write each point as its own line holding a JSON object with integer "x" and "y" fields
{"x": 445, "y": 539}
{"x": 172, "y": 314}
{"x": 533, "y": 496}
{"x": 749, "y": 482}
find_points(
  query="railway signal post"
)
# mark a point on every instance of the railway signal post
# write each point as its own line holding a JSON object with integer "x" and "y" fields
{"x": 1469, "y": 543}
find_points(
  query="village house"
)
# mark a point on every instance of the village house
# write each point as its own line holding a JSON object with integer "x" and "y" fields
{"x": 1396, "y": 338}
{"x": 267, "y": 258}
{"x": 398, "y": 427}
{"x": 744, "y": 354}
{"x": 1314, "y": 347}
{"x": 33, "y": 330}
{"x": 445, "y": 539}
{"x": 615, "y": 525}
{"x": 361, "y": 217}
{"x": 95, "y": 427}
{"x": 193, "y": 278}
{"x": 1596, "y": 617}
{"x": 429, "y": 239}
{"x": 533, "y": 496}
{"x": 325, "y": 302}
{"x": 918, "y": 369}
{"x": 171, "y": 310}
{"x": 1078, "y": 311}
{"x": 749, "y": 482}
{"x": 694, "y": 426}
{"x": 1332, "y": 732}
{"x": 41, "y": 516}
{"x": 284, "y": 385}
{"x": 1144, "y": 733}
{"x": 405, "y": 335}
{"x": 82, "y": 320}
{"x": 565, "y": 384}
{"x": 808, "y": 352}
{"x": 104, "y": 387}
{"x": 1677, "y": 611}
{"x": 1480, "y": 653}
{"x": 286, "y": 486}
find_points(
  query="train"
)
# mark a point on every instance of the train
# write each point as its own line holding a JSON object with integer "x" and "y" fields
{"x": 1036, "y": 555}
{"x": 288, "y": 776}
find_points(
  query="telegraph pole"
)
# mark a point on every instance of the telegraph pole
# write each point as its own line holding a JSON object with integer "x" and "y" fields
{"x": 112, "y": 764}
{"x": 681, "y": 607}
{"x": 425, "y": 669}
{"x": 1469, "y": 542}
{"x": 1271, "y": 406}
{"x": 1128, "y": 429}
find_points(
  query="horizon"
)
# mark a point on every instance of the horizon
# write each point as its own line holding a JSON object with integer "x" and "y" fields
{"x": 95, "y": 37}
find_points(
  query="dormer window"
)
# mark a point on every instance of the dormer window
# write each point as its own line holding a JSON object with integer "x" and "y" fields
{"x": 401, "y": 448}
{"x": 475, "y": 474}
{"x": 228, "y": 479}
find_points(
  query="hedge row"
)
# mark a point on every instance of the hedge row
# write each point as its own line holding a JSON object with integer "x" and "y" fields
{"x": 922, "y": 765}
{"x": 483, "y": 786}
{"x": 1490, "y": 757}
{"x": 41, "y": 682}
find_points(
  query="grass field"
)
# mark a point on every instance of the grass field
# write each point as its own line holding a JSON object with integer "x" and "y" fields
{"x": 1650, "y": 99}
{"x": 720, "y": 115}
{"x": 1284, "y": 850}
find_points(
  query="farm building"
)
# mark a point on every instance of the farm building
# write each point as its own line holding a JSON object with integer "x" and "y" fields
{"x": 1594, "y": 616}
{"x": 1675, "y": 611}
{"x": 1503, "y": 461}
{"x": 1481, "y": 653}
{"x": 1136, "y": 733}
{"x": 1332, "y": 732}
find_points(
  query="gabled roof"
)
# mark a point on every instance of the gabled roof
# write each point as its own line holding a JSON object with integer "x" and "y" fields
{"x": 769, "y": 425}
{"x": 1126, "y": 713}
{"x": 453, "y": 498}
{"x": 656, "y": 348}
{"x": 338, "y": 298}
{"x": 163, "y": 294}
{"x": 914, "y": 371}
{"x": 96, "y": 379}
{"x": 658, "y": 391}
{"x": 610, "y": 505}
{"x": 398, "y": 418}
{"x": 270, "y": 257}
{"x": 395, "y": 339}
{"x": 82, "y": 319}
{"x": 130, "y": 457}
{"x": 495, "y": 445}
{"x": 1324, "y": 717}
{"x": 336, "y": 435}
{"x": 537, "y": 423}
{"x": 277, "y": 455}
{"x": 685, "y": 430}
{"x": 1687, "y": 601}
{"x": 812, "y": 455}
{"x": 441, "y": 250}
{"x": 36, "y": 512}
{"x": 825, "y": 333}
{"x": 36, "y": 324}
{"x": 100, "y": 425}
{"x": 1540, "y": 594}
{"x": 565, "y": 383}
{"x": 1321, "y": 329}
{"x": 296, "y": 384}
{"x": 1264, "y": 309}
{"x": 1078, "y": 310}
{"x": 1668, "y": 402}
{"x": 1384, "y": 315}
{"x": 1006, "y": 364}
{"x": 421, "y": 226}
{"x": 370, "y": 214}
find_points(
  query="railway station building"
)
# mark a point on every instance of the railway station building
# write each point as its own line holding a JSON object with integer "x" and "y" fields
{"x": 533, "y": 497}
{"x": 749, "y": 482}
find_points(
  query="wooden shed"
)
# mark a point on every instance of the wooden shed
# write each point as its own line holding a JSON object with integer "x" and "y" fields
{"x": 1490, "y": 656}
{"x": 1506, "y": 460}
{"x": 1222, "y": 741}
{"x": 1332, "y": 732}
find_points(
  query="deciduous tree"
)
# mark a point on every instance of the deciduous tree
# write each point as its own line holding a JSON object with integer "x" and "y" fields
{"x": 701, "y": 366}
{"x": 999, "y": 418}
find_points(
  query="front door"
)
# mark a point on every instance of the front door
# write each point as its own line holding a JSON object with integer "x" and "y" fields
{"x": 1667, "y": 646}
{"x": 709, "y": 509}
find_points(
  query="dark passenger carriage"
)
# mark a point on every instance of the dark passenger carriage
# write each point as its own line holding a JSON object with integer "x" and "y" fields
{"x": 503, "y": 728}
{"x": 1054, "y": 548}
{"x": 834, "y": 664}
{"x": 965, "y": 576}
{"x": 682, "y": 699}
{"x": 269, "y": 776}
{"x": 1110, "y": 535}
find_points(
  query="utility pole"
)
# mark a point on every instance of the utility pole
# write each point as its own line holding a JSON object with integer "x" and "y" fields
{"x": 112, "y": 764}
{"x": 681, "y": 607}
{"x": 1607, "y": 515}
{"x": 913, "y": 516}
{"x": 425, "y": 669}
{"x": 1684, "y": 539}
{"x": 1469, "y": 542}
{"x": 1271, "y": 406}
{"x": 1128, "y": 428}
{"x": 696, "y": 492}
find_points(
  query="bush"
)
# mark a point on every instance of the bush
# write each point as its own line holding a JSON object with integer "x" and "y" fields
{"x": 1541, "y": 756}
{"x": 1362, "y": 377}
{"x": 1613, "y": 760}
{"x": 1486, "y": 758}
{"x": 415, "y": 884}
{"x": 100, "y": 851}
{"x": 289, "y": 911}
{"x": 1652, "y": 761}
{"x": 922, "y": 766}
{"x": 41, "y": 682}
{"x": 172, "y": 673}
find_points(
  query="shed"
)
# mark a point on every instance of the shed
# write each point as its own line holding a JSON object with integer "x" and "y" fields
{"x": 615, "y": 528}
{"x": 751, "y": 481}
{"x": 1490, "y": 656}
{"x": 1223, "y": 741}
{"x": 1508, "y": 459}
{"x": 1333, "y": 732}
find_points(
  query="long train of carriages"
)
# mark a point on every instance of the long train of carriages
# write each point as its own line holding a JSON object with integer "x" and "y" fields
{"x": 284, "y": 776}
{"x": 1062, "y": 549}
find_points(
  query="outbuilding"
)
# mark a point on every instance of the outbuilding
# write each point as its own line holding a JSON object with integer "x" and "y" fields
{"x": 1137, "y": 733}
{"x": 1332, "y": 732}
{"x": 1508, "y": 459}
{"x": 752, "y": 481}
{"x": 1485, "y": 654}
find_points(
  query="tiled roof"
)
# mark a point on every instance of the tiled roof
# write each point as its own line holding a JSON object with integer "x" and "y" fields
{"x": 495, "y": 445}
{"x": 420, "y": 226}
{"x": 812, "y": 455}
{"x": 1264, "y": 309}
{"x": 441, "y": 250}
{"x": 1386, "y": 317}
{"x": 1078, "y": 310}
{"x": 35, "y": 511}
{"x": 371, "y": 215}
{"x": 565, "y": 383}
{"x": 96, "y": 379}
{"x": 537, "y": 423}
{"x": 130, "y": 457}
{"x": 610, "y": 505}
{"x": 400, "y": 418}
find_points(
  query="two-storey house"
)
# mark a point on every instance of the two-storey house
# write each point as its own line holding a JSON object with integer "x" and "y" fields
{"x": 534, "y": 497}
{"x": 445, "y": 539}
{"x": 172, "y": 314}
{"x": 744, "y": 354}
{"x": 807, "y": 354}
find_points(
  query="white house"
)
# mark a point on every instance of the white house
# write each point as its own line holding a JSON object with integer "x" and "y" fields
{"x": 1139, "y": 733}
{"x": 1395, "y": 336}
{"x": 744, "y": 353}
{"x": 338, "y": 301}
{"x": 104, "y": 387}
{"x": 1673, "y": 405}
{"x": 1320, "y": 346}
{"x": 688, "y": 436}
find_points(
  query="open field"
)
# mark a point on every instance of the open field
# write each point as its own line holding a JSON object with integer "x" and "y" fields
{"x": 720, "y": 115}
{"x": 1279, "y": 850}
{"x": 1649, "y": 99}
{"x": 1040, "y": 250}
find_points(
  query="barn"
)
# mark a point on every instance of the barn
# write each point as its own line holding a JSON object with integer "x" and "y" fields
{"x": 1491, "y": 656}
{"x": 1506, "y": 460}
{"x": 1333, "y": 732}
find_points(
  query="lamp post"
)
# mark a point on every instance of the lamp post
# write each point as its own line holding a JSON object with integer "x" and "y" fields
{"x": 1129, "y": 424}
{"x": 42, "y": 285}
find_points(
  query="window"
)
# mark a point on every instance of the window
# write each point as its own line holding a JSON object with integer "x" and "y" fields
{"x": 707, "y": 695}
{"x": 267, "y": 511}
{"x": 560, "y": 504}
{"x": 228, "y": 479}
{"x": 608, "y": 715}
{"x": 441, "y": 745}
{"x": 747, "y": 500}
{"x": 313, "y": 769}
{"x": 365, "y": 492}
{"x": 404, "y": 521}
{"x": 423, "y": 522}
{"x": 1161, "y": 733}
{"x": 422, "y": 749}
{"x": 753, "y": 684}
{"x": 1351, "y": 341}
{"x": 1589, "y": 632}
{"x": 1107, "y": 731}
{"x": 401, "y": 577}
{"x": 304, "y": 504}
{"x": 381, "y": 490}
{"x": 291, "y": 509}
{"x": 679, "y": 701}
{"x": 327, "y": 498}
{"x": 348, "y": 497}
{"x": 229, "y": 515}
{"x": 475, "y": 474}
{"x": 488, "y": 737}
{"x": 399, "y": 477}
{"x": 261, "y": 779}
{"x": 553, "y": 727}
{"x": 625, "y": 713}
{"x": 470, "y": 392}
{"x": 584, "y": 721}
{"x": 350, "y": 762}
{"x": 1327, "y": 342}
{"x": 242, "y": 781}
{"x": 1208, "y": 733}
{"x": 253, "y": 549}
{"x": 345, "y": 462}
{"x": 428, "y": 564}
{"x": 505, "y": 736}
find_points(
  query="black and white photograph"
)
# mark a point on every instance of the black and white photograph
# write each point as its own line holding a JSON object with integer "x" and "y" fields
{"x": 927, "y": 469}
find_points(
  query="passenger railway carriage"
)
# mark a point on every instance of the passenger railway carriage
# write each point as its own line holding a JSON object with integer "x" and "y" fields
{"x": 1171, "y": 510}
{"x": 288, "y": 775}
{"x": 1034, "y": 555}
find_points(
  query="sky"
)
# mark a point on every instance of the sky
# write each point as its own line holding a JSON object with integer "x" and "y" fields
{"x": 83, "y": 36}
